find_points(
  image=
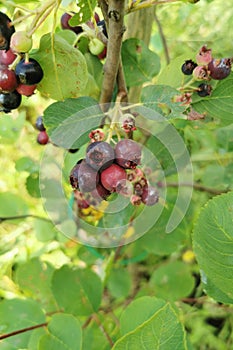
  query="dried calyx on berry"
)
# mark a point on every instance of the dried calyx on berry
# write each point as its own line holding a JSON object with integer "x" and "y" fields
{"x": 6, "y": 31}
{"x": 201, "y": 73}
{"x": 128, "y": 153}
{"x": 188, "y": 67}
{"x": 220, "y": 68}
{"x": 204, "y": 90}
{"x": 204, "y": 56}
{"x": 127, "y": 122}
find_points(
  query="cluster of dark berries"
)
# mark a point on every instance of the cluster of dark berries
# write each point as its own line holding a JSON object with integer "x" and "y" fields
{"x": 106, "y": 170}
{"x": 96, "y": 46}
{"x": 42, "y": 137}
{"x": 20, "y": 78}
{"x": 206, "y": 68}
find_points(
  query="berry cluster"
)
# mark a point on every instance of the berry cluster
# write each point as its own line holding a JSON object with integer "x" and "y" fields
{"x": 107, "y": 170}
{"x": 206, "y": 68}
{"x": 96, "y": 46}
{"x": 19, "y": 75}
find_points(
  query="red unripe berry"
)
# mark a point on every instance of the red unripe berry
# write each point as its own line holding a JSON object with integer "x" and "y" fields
{"x": 26, "y": 90}
{"x": 8, "y": 80}
{"x": 7, "y": 57}
{"x": 111, "y": 176}
{"x": 43, "y": 138}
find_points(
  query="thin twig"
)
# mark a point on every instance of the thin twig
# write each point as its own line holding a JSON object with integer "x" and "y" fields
{"x": 103, "y": 330}
{"x": 162, "y": 36}
{"x": 197, "y": 187}
{"x": 17, "y": 217}
{"x": 23, "y": 330}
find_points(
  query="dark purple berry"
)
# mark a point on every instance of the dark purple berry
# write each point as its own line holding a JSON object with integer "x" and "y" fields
{"x": 100, "y": 193}
{"x": 102, "y": 25}
{"x": 128, "y": 153}
{"x": 111, "y": 176}
{"x": 8, "y": 80}
{"x": 88, "y": 178}
{"x": 150, "y": 196}
{"x": 204, "y": 90}
{"x": 100, "y": 155}
{"x": 220, "y": 68}
{"x": 74, "y": 175}
{"x": 43, "y": 138}
{"x": 39, "y": 124}
{"x": 188, "y": 67}
{"x": 6, "y": 31}
{"x": 65, "y": 24}
{"x": 9, "y": 101}
{"x": 29, "y": 73}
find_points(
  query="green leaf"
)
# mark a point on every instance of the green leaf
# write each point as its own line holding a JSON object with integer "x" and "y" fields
{"x": 220, "y": 104}
{"x": 65, "y": 333}
{"x": 119, "y": 283}
{"x": 16, "y": 314}
{"x": 68, "y": 123}
{"x": 140, "y": 64}
{"x": 64, "y": 67}
{"x": 171, "y": 74}
{"x": 32, "y": 185}
{"x": 162, "y": 331}
{"x": 34, "y": 279}
{"x": 77, "y": 291}
{"x": 12, "y": 205}
{"x": 10, "y": 128}
{"x": 160, "y": 99}
{"x": 26, "y": 164}
{"x": 45, "y": 230}
{"x": 172, "y": 281}
{"x": 138, "y": 312}
{"x": 213, "y": 246}
{"x": 85, "y": 12}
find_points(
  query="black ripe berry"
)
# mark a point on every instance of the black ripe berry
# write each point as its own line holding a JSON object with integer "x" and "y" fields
{"x": 128, "y": 153}
{"x": 9, "y": 101}
{"x": 220, "y": 68}
{"x": 204, "y": 90}
{"x": 188, "y": 67}
{"x": 39, "y": 124}
{"x": 99, "y": 155}
{"x": 6, "y": 31}
{"x": 29, "y": 73}
{"x": 43, "y": 138}
{"x": 102, "y": 25}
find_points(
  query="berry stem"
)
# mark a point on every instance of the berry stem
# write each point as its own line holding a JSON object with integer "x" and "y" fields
{"x": 11, "y": 3}
{"x": 148, "y": 3}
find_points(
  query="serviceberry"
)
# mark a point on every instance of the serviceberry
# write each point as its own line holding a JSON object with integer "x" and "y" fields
{"x": 9, "y": 101}
{"x": 6, "y": 31}
{"x": 26, "y": 90}
{"x": 188, "y": 67}
{"x": 88, "y": 178}
{"x": 20, "y": 42}
{"x": 128, "y": 153}
{"x": 65, "y": 24}
{"x": 74, "y": 175}
{"x": 43, "y": 138}
{"x": 39, "y": 124}
{"x": 220, "y": 68}
{"x": 8, "y": 80}
{"x": 99, "y": 155}
{"x": 111, "y": 176}
{"x": 7, "y": 57}
{"x": 204, "y": 90}
{"x": 29, "y": 72}
{"x": 150, "y": 196}
{"x": 201, "y": 73}
{"x": 204, "y": 56}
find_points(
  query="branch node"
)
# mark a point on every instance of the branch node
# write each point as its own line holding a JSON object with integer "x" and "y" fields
{"x": 114, "y": 15}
